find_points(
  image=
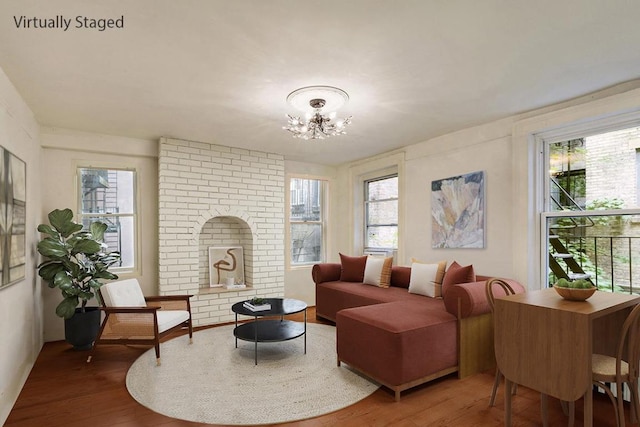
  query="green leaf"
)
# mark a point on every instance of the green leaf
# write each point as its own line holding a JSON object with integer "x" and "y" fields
{"x": 67, "y": 307}
{"x": 52, "y": 248}
{"x": 46, "y": 229}
{"x": 94, "y": 284}
{"x": 85, "y": 246}
{"x": 47, "y": 272}
{"x": 97, "y": 230}
{"x": 105, "y": 275}
{"x": 62, "y": 220}
{"x": 62, "y": 280}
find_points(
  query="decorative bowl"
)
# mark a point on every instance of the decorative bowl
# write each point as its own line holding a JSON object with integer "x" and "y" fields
{"x": 575, "y": 294}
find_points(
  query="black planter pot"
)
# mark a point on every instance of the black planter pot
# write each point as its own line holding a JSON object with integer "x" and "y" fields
{"x": 82, "y": 329}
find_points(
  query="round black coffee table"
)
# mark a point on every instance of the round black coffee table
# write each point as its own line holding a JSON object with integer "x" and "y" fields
{"x": 271, "y": 330}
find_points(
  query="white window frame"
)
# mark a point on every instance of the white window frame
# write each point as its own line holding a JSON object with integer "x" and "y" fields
{"x": 565, "y": 133}
{"x": 367, "y": 202}
{"x": 324, "y": 210}
{"x": 135, "y": 269}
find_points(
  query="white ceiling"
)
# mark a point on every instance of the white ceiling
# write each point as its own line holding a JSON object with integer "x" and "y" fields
{"x": 220, "y": 70}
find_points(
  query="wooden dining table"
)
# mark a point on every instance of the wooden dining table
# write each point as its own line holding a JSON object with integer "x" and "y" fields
{"x": 545, "y": 342}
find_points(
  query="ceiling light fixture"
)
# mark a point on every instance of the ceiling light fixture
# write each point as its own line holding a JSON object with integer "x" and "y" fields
{"x": 319, "y": 103}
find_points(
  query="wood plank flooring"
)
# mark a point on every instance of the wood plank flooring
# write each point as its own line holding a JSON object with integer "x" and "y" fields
{"x": 63, "y": 390}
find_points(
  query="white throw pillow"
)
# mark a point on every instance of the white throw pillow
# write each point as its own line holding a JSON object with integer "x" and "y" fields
{"x": 422, "y": 281}
{"x": 377, "y": 271}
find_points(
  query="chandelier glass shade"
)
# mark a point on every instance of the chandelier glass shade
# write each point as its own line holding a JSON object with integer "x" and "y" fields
{"x": 318, "y": 103}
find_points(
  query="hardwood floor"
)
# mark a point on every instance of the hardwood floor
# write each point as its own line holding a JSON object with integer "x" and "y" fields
{"x": 63, "y": 390}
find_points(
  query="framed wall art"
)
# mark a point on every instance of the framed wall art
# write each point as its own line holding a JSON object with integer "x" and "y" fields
{"x": 13, "y": 216}
{"x": 226, "y": 266}
{"x": 457, "y": 211}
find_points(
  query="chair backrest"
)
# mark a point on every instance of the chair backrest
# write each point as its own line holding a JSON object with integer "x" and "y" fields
{"x": 123, "y": 293}
{"x": 501, "y": 284}
{"x": 630, "y": 343}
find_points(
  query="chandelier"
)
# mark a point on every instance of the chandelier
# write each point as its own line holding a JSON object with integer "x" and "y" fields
{"x": 319, "y": 103}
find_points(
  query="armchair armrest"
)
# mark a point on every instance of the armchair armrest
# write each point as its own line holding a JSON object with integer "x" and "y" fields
{"x": 326, "y": 272}
{"x": 110, "y": 310}
{"x": 168, "y": 298}
{"x": 170, "y": 302}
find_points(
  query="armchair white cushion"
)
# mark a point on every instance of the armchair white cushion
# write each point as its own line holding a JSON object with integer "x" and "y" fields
{"x": 124, "y": 293}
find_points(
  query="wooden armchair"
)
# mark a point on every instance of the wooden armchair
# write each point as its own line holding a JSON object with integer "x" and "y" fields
{"x": 132, "y": 318}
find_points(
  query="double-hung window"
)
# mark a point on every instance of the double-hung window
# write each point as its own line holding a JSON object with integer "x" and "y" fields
{"x": 306, "y": 221}
{"x": 590, "y": 215}
{"x": 109, "y": 196}
{"x": 381, "y": 213}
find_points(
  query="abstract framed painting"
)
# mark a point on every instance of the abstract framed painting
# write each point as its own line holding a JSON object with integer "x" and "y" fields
{"x": 226, "y": 265}
{"x": 457, "y": 211}
{"x": 13, "y": 216}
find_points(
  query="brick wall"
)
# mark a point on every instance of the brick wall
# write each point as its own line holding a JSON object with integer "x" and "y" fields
{"x": 611, "y": 166}
{"x": 212, "y": 195}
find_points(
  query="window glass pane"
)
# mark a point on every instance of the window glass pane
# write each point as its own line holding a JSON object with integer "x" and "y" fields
{"x": 604, "y": 249}
{"x": 107, "y": 191}
{"x": 379, "y": 213}
{"x": 306, "y": 196}
{"x": 118, "y": 237}
{"x": 306, "y": 243}
{"x": 382, "y": 237}
{"x": 382, "y": 189}
{"x": 595, "y": 172}
{"x": 586, "y": 175}
{"x": 381, "y": 207}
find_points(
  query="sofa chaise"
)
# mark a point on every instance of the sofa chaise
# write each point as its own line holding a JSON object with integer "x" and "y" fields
{"x": 400, "y": 338}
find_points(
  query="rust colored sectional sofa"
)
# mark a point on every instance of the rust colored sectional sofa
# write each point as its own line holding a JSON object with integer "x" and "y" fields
{"x": 402, "y": 339}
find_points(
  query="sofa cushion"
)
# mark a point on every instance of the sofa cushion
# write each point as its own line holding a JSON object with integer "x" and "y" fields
{"x": 377, "y": 271}
{"x": 423, "y": 278}
{"x": 400, "y": 276}
{"x": 442, "y": 267}
{"x": 457, "y": 274}
{"x": 352, "y": 268}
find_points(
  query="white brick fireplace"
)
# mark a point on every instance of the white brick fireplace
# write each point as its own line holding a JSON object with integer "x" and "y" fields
{"x": 212, "y": 195}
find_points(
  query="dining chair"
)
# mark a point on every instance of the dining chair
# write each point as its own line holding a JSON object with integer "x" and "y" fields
{"x": 622, "y": 369}
{"x": 132, "y": 318}
{"x": 504, "y": 289}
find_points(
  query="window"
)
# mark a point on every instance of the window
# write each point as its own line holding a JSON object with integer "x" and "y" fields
{"x": 590, "y": 209}
{"x": 306, "y": 220}
{"x": 108, "y": 195}
{"x": 381, "y": 213}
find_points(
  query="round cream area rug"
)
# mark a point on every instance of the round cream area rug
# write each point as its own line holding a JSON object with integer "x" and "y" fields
{"x": 211, "y": 381}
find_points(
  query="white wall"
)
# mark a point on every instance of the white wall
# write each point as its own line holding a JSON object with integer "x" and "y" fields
{"x": 21, "y": 303}
{"x": 64, "y": 150}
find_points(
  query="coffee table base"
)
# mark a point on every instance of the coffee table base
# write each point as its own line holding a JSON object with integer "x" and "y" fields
{"x": 270, "y": 330}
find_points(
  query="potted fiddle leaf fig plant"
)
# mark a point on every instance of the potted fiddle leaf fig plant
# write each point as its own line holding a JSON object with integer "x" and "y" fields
{"x": 75, "y": 262}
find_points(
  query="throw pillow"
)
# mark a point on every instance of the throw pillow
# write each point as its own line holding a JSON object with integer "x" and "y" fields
{"x": 442, "y": 266}
{"x": 423, "y": 278}
{"x": 377, "y": 271}
{"x": 457, "y": 274}
{"x": 352, "y": 268}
